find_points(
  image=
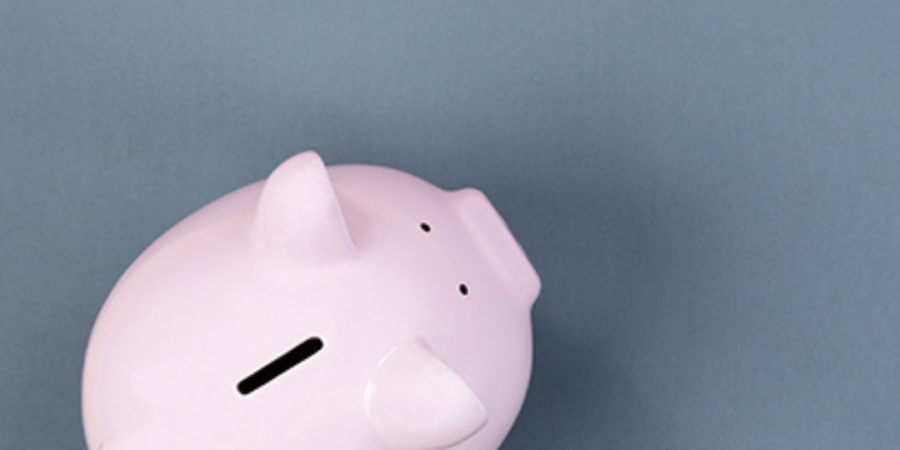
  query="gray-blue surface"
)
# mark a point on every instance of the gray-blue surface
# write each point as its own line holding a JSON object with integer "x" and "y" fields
{"x": 708, "y": 189}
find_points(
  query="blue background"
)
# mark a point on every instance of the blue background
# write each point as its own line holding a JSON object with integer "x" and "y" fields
{"x": 708, "y": 189}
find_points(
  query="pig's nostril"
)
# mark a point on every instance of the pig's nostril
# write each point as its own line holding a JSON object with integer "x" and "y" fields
{"x": 280, "y": 365}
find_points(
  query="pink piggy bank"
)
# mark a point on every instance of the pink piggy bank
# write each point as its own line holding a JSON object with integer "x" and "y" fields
{"x": 353, "y": 307}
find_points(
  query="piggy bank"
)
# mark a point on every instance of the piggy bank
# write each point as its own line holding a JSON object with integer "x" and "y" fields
{"x": 343, "y": 308}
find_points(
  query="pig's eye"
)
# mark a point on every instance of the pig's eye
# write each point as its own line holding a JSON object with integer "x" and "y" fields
{"x": 425, "y": 227}
{"x": 463, "y": 289}
{"x": 280, "y": 365}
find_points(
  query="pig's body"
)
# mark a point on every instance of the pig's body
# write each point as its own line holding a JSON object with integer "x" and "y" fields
{"x": 419, "y": 299}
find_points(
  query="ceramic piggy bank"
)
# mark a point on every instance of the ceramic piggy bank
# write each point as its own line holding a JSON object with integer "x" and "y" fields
{"x": 340, "y": 308}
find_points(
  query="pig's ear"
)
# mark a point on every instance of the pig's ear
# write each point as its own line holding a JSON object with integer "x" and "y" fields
{"x": 298, "y": 215}
{"x": 416, "y": 402}
{"x": 498, "y": 245}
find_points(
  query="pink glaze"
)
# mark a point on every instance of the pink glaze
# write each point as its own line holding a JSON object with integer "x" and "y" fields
{"x": 415, "y": 339}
